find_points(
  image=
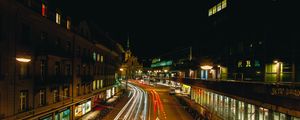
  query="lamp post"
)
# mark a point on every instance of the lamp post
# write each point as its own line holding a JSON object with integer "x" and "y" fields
{"x": 122, "y": 70}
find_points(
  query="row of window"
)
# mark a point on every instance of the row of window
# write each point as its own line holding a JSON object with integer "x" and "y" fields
{"x": 247, "y": 63}
{"x": 44, "y": 11}
{"x": 24, "y": 97}
{"x": 232, "y": 109}
{"x": 217, "y": 8}
{"x": 97, "y": 84}
{"x": 97, "y": 57}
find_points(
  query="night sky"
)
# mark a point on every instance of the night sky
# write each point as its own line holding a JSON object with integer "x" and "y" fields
{"x": 155, "y": 28}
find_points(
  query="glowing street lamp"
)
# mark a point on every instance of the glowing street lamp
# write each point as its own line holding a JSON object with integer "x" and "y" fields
{"x": 121, "y": 69}
{"x": 23, "y": 60}
{"x": 206, "y": 67}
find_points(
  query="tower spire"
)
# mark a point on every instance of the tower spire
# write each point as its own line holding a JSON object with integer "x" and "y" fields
{"x": 128, "y": 45}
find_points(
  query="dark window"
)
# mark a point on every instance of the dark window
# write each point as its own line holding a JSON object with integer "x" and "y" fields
{"x": 68, "y": 69}
{"x": 94, "y": 70}
{"x": 57, "y": 68}
{"x": 43, "y": 69}
{"x": 68, "y": 46}
{"x": 84, "y": 69}
{"x": 84, "y": 51}
{"x": 57, "y": 43}
{"x": 78, "y": 90}
{"x": 78, "y": 51}
{"x": 78, "y": 70}
{"x": 44, "y": 36}
{"x": 25, "y": 37}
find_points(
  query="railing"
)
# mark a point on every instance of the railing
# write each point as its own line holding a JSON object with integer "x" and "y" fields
{"x": 52, "y": 80}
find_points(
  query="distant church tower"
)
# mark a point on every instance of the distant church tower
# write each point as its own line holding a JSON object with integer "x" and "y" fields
{"x": 128, "y": 52}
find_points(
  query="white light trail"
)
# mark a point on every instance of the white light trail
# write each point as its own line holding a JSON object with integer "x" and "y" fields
{"x": 135, "y": 107}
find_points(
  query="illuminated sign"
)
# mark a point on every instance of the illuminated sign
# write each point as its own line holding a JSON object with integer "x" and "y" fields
{"x": 155, "y": 60}
{"x": 161, "y": 64}
{"x": 285, "y": 92}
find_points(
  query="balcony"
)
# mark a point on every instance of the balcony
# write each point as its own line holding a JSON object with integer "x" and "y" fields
{"x": 52, "y": 80}
{"x": 87, "y": 79}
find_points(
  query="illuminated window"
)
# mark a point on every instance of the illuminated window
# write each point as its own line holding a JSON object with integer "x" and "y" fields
{"x": 23, "y": 100}
{"x": 210, "y": 12}
{"x": 101, "y": 83}
{"x": 94, "y": 56}
{"x": 98, "y": 84}
{"x": 102, "y": 58}
{"x": 240, "y": 64}
{"x": 68, "y": 24}
{"x": 219, "y": 7}
{"x": 214, "y": 10}
{"x": 98, "y": 57}
{"x": 248, "y": 63}
{"x": 224, "y": 4}
{"x": 44, "y": 9}
{"x": 94, "y": 85}
{"x": 256, "y": 63}
{"x": 58, "y": 17}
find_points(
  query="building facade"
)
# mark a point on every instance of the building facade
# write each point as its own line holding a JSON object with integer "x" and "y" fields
{"x": 257, "y": 39}
{"x": 50, "y": 69}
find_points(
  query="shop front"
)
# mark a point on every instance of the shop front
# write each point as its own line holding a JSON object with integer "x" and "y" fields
{"x": 228, "y": 108}
{"x": 108, "y": 93}
{"x": 97, "y": 99}
{"x": 58, "y": 115}
{"x": 113, "y": 91}
{"x": 47, "y": 117}
{"x": 186, "y": 89}
{"x": 82, "y": 108}
{"x": 63, "y": 115}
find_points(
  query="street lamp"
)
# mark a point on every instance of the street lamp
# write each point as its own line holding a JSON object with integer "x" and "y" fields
{"x": 23, "y": 60}
{"x": 206, "y": 67}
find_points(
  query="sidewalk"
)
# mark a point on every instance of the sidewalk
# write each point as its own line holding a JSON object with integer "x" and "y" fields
{"x": 196, "y": 110}
{"x": 101, "y": 110}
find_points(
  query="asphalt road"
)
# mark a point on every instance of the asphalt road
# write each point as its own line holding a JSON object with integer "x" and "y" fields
{"x": 162, "y": 105}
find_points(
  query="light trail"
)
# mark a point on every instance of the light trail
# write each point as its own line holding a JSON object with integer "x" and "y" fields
{"x": 136, "y": 108}
{"x": 158, "y": 109}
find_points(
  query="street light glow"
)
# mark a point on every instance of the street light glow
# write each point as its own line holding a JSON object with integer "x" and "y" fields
{"x": 121, "y": 69}
{"x": 24, "y": 60}
{"x": 206, "y": 67}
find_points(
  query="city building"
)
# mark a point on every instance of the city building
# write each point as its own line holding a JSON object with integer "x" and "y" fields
{"x": 257, "y": 49}
{"x": 257, "y": 39}
{"x": 49, "y": 68}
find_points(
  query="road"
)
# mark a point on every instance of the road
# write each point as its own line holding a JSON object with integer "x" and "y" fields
{"x": 136, "y": 108}
{"x": 162, "y": 105}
